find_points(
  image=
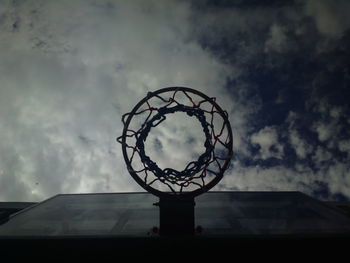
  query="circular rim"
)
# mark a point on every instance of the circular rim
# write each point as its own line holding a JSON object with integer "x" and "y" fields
{"x": 196, "y": 192}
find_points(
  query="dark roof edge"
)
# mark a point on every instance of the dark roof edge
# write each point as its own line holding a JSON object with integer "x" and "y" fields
{"x": 15, "y": 205}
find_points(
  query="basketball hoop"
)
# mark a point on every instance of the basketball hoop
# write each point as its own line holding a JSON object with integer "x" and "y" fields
{"x": 197, "y": 176}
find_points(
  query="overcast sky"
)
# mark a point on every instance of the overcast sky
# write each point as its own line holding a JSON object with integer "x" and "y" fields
{"x": 70, "y": 69}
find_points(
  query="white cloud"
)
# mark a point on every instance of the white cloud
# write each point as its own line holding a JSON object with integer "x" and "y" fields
{"x": 277, "y": 178}
{"x": 327, "y": 170}
{"x": 331, "y": 17}
{"x": 335, "y": 112}
{"x": 301, "y": 147}
{"x": 321, "y": 155}
{"x": 328, "y": 127}
{"x": 344, "y": 146}
{"x": 339, "y": 178}
{"x": 277, "y": 40}
{"x": 324, "y": 131}
{"x": 280, "y": 178}
{"x": 267, "y": 139}
{"x": 69, "y": 69}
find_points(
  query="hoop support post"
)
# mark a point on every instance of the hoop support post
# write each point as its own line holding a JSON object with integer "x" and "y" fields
{"x": 176, "y": 216}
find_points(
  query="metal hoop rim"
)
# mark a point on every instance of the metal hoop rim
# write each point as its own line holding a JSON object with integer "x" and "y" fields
{"x": 190, "y": 194}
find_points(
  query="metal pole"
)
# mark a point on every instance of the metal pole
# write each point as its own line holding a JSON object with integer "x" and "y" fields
{"x": 176, "y": 216}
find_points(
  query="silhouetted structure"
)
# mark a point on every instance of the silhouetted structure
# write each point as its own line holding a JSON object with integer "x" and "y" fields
{"x": 177, "y": 213}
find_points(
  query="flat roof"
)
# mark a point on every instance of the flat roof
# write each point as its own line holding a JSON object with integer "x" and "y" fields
{"x": 217, "y": 214}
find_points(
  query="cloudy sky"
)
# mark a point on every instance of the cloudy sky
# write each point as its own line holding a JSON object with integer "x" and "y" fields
{"x": 70, "y": 69}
